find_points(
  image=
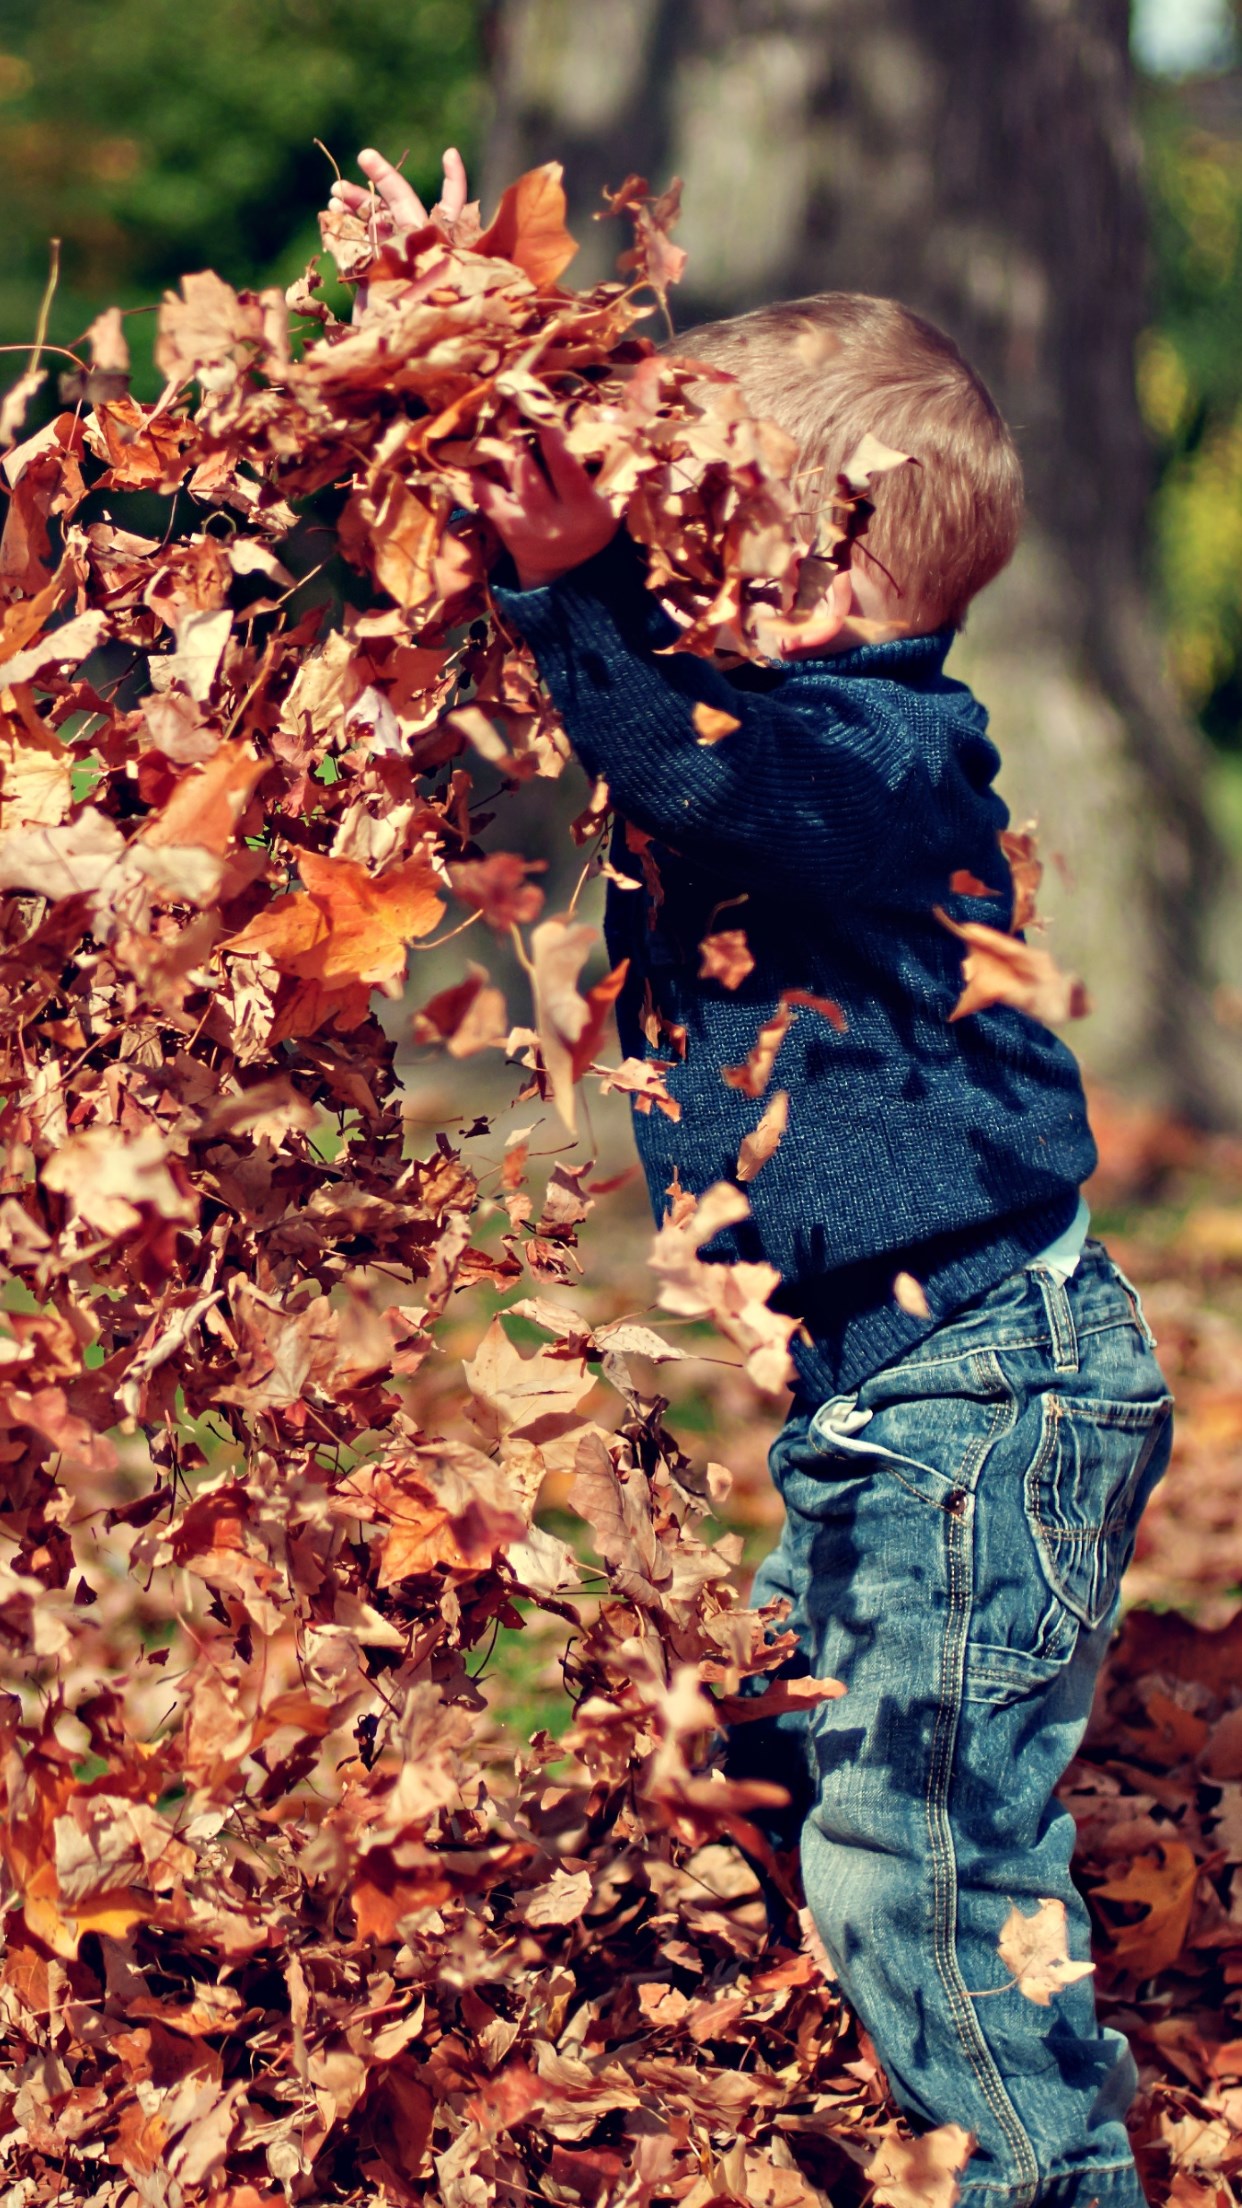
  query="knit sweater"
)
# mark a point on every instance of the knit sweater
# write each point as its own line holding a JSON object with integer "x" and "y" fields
{"x": 826, "y": 826}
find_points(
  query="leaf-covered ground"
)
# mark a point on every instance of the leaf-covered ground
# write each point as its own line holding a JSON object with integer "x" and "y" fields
{"x": 364, "y": 1655}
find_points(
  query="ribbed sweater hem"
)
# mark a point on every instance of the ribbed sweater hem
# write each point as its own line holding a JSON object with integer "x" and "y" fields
{"x": 854, "y": 1324}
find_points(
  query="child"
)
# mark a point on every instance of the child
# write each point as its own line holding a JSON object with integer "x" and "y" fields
{"x": 962, "y": 1471}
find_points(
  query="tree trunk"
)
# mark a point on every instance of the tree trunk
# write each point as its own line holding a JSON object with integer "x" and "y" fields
{"x": 982, "y": 165}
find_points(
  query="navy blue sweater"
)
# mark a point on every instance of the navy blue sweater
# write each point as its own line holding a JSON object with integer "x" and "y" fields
{"x": 826, "y": 827}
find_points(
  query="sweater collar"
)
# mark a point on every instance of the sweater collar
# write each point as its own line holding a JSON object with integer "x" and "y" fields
{"x": 902, "y": 659}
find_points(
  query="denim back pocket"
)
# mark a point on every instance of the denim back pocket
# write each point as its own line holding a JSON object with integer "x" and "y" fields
{"x": 1095, "y": 1467}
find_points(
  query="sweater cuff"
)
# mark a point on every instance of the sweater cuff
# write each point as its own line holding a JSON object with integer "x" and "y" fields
{"x": 613, "y": 581}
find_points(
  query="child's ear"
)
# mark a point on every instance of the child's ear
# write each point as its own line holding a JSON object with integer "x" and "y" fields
{"x": 797, "y": 636}
{"x": 826, "y": 620}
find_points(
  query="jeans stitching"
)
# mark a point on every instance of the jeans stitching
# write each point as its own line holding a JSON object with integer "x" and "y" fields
{"x": 1084, "y": 2170}
{"x": 1052, "y": 1540}
{"x": 939, "y": 1831}
{"x": 1003, "y": 1341}
{"x": 930, "y": 1500}
{"x": 1135, "y": 1302}
{"x": 1064, "y": 1341}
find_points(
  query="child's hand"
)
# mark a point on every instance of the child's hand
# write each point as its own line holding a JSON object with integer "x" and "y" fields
{"x": 394, "y": 204}
{"x": 548, "y": 515}
{"x": 823, "y": 629}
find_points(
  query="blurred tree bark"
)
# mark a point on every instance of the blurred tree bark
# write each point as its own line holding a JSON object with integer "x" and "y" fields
{"x": 983, "y": 165}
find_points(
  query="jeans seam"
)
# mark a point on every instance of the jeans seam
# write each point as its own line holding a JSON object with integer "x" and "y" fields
{"x": 1052, "y": 2177}
{"x": 1064, "y": 1340}
{"x": 1084, "y": 2170}
{"x": 1003, "y": 1341}
{"x": 1135, "y": 1302}
{"x": 939, "y": 1829}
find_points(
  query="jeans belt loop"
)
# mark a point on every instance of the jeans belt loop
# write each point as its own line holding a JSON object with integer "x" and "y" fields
{"x": 1060, "y": 1319}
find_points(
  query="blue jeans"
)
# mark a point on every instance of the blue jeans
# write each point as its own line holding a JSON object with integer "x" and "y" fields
{"x": 956, "y": 1531}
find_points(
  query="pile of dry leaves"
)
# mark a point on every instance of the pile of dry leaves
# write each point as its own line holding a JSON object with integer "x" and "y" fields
{"x": 279, "y": 1923}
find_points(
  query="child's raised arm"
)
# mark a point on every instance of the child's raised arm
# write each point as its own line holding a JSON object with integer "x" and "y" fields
{"x": 551, "y": 516}
{"x": 822, "y": 786}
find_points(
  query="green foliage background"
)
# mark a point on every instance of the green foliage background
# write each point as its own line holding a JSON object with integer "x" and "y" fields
{"x": 154, "y": 138}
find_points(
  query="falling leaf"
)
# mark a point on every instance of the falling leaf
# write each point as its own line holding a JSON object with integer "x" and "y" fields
{"x": 736, "y": 1296}
{"x": 653, "y": 256}
{"x": 626, "y": 1338}
{"x": 711, "y": 723}
{"x": 109, "y": 1179}
{"x": 1026, "y": 869}
{"x": 66, "y": 646}
{"x": 616, "y": 1505}
{"x": 207, "y": 803}
{"x": 758, "y": 1146}
{"x": 871, "y": 457}
{"x": 145, "y": 451}
{"x": 36, "y": 781}
{"x": 62, "y": 861}
{"x": 210, "y": 332}
{"x": 754, "y": 1074}
{"x": 910, "y": 1296}
{"x": 469, "y": 1016}
{"x": 201, "y": 639}
{"x": 1001, "y": 969}
{"x": 536, "y": 1396}
{"x": 450, "y": 1509}
{"x": 106, "y": 338}
{"x": 570, "y": 1025}
{"x": 497, "y": 886}
{"x": 726, "y": 958}
{"x": 560, "y": 1900}
{"x": 345, "y": 933}
{"x": 15, "y": 404}
{"x": 1032, "y": 1947}
{"x": 641, "y": 1079}
{"x": 827, "y": 1007}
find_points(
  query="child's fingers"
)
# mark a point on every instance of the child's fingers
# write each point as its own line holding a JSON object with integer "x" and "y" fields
{"x": 568, "y": 476}
{"x": 351, "y": 197}
{"x": 399, "y": 197}
{"x": 453, "y": 194}
{"x": 399, "y": 204}
{"x": 496, "y": 502}
{"x": 354, "y": 201}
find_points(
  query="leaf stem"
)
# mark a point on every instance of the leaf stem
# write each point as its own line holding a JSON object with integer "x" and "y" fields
{"x": 62, "y": 349}
{"x": 45, "y": 308}
{"x": 460, "y": 929}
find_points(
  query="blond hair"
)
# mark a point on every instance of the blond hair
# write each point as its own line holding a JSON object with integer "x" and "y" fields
{"x": 831, "y": 368}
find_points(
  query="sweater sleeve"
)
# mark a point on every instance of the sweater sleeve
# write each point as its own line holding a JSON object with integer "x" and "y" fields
{"x": 813, "y": 787}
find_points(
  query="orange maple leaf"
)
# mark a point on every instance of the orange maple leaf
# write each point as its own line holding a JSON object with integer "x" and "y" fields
{"x": 341, "y": 938}
{"x": 208, "y": 802}
{"x": 1163, "y": 1881}
{"x": 528, "y": 227}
